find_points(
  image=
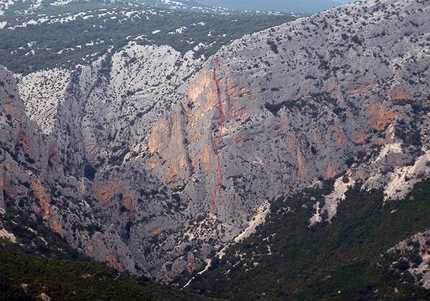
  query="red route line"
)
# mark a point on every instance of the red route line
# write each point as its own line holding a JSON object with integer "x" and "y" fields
{"x": 219, "y": 137}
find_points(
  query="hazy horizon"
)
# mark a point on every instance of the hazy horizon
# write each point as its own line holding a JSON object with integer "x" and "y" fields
{"x": 298, "y": 6}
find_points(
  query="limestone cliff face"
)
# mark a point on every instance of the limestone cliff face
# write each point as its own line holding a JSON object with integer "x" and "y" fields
{"x": 101, "y": 114}
{"x": 123, "y": 163}
{"x": 304, "y": 102}
{"x": 32, "y": 179}
{"x": 96, "y": 120}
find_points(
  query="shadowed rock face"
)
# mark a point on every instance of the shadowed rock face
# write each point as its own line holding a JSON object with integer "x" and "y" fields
{"x": 120, "y": 161}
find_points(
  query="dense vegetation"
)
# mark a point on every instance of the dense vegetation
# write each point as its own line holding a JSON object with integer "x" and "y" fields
{"x": 42, "y": 262}
{"x": 343, "y": 260}
{"x": 33, "y": 237}
{"x": 25, "y": 276}
{"x": 93, "y": 29}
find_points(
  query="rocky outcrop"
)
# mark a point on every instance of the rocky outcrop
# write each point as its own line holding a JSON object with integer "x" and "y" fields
{"x": 120, "y": 161}
{"x": 413, "y": 256}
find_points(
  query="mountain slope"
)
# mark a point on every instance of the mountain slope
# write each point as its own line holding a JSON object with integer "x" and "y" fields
{"x": 348, "y": 259}
{"x": 33, "y": 259}
{"x": 82, "y": 32}
{"x": 343, "y": 91}
{"x": 126, "y": 145}
{"x": 304, "y": 101}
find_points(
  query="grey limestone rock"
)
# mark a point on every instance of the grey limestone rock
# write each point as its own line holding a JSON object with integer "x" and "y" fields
{"x": 122, "y": 149}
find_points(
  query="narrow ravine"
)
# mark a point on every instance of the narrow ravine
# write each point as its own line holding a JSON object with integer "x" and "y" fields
{"x": 217, "y": 139}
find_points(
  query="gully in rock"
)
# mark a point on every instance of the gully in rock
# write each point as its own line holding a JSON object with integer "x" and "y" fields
{"x": 217, "y": 139}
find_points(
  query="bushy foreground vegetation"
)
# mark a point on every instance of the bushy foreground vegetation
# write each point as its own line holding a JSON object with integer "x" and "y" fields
{"x": 286, "y": 259}
{"x": 25, "y": 276}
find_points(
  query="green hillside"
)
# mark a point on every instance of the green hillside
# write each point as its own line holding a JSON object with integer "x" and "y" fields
{"x": 79, "y": 33}
{"x": 286, "y": 259}
{"x": 25, "y": 276}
